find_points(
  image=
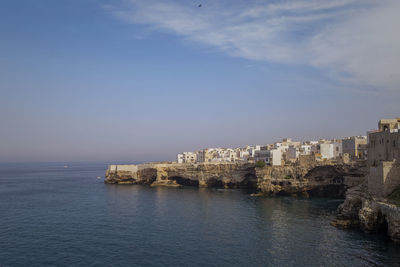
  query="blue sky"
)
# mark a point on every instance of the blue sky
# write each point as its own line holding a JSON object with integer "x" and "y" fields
{"x": 144, "y": 80}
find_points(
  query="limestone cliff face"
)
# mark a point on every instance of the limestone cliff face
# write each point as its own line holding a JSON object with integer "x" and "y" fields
{"x": 326, "y": 180}
{"x": 361, "y": 210}
{"x": 228, "y": 175}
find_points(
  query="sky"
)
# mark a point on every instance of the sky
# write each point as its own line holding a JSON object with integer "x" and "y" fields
{"x": 130, "y": 80}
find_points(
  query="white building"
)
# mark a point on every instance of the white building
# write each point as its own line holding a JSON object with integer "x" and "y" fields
{"x": 180, "y": 158}
{"x": 315, "y": 147}
{"x": 276, "y": 157}
{"x": 327, "y": 151}
{"x": 244, "y": 155}
{"x": 283, "y": 147}
{"x": 253, "y": 150}
{"x": 272, "y": 157}
{"x": 337, "y": 149}
{"x": 187, "y": 157}
{"x": 305, "y": 149}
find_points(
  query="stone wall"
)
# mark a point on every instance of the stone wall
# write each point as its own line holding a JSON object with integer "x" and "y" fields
{"x": 384, "y": 178}
{"x": 391, "y": 172}
{"x": 383, "y": 146}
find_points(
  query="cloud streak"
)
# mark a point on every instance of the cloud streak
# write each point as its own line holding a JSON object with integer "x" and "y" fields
{"x": 356, "y": 40}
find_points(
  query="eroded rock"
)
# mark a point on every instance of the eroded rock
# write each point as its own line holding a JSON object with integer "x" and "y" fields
{"x": 361, "y": 210}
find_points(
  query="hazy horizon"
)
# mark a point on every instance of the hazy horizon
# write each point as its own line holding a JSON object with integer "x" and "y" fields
{"x": 131, "y": 80}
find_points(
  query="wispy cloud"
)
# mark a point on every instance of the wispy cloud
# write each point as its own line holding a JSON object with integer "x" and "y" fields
{"x": 356, "y": 40}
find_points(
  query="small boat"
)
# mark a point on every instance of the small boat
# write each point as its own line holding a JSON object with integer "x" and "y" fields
{"x": 98, "y": 177}
{"x": 65, "y": 166}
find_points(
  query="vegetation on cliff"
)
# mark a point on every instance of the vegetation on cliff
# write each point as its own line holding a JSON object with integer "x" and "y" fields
{"x": 260, "y": 164}
{"x": 394, "y": 197}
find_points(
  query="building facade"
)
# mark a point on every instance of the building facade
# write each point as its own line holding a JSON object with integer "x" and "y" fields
{"x": 327, "y": 151}
{"x": 383, "y": 158}
{"x": 355, "y": 146}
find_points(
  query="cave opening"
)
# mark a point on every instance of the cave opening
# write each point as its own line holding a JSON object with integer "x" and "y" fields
{"x": 185, "y": 181}
{"x": 249, "y": 184}
{"x": 382, "y": 226}
{"x": 330, "y": 190}
{"x": 215, "y": 183}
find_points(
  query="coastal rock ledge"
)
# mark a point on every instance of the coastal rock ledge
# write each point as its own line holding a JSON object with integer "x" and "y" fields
{"x": 322, "y": 180}
{"x": 225, "y": 175}
{"x": 370, "y": 214}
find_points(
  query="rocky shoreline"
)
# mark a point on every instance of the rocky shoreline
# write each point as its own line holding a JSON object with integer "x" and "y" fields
{"x": 223, "y": 175}
{"x": 361, "y": 210}
{"x": 318, "y": 180}
{"x": 330, "y": 180}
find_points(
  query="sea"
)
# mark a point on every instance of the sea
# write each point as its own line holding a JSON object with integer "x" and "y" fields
{"x": 62, "y": 214}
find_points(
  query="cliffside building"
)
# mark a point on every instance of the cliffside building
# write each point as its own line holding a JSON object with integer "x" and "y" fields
{"x": 292, "y": 154}
{"x": 355, "y": 146}
{"x": 275, "y": 158}
{"x": 337, "y": 149}
{"x": 187, "y": 157}
{"x": 271, "y": 157}
{"x": 384, "y": 158}
{"x": 327, "y": 151}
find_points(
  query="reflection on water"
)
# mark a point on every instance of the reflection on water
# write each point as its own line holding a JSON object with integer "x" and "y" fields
{"x": 52, "y": 215}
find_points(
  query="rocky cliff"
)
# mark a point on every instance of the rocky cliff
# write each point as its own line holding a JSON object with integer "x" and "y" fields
{"x": 226, "y": 175}
{"x": 361, "y": 210}
{"x": 325, "y": 180}
{"x": 322, "y": 180}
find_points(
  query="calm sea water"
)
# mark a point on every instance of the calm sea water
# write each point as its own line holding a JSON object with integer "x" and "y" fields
{"x": 56, "y": 216}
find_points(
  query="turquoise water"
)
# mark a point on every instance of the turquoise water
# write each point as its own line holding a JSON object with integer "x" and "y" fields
{"x": 56, "y": 216}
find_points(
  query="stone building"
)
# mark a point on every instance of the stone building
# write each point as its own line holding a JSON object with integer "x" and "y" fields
{"x": 292, "y": 154}
{"x": 201, "y": 155}
{"x": 187, "y": 157}
{"x": 327, "y": 151}
{"x": 271, "y": 157}
{"x": 275, "y": 158}
{"x": 180, "y": 158}
{"x": 387, "y": 124}
{"x": 337, "y": 148}
{"x": 384, "y": 158}
{"x": 355, "y": 146}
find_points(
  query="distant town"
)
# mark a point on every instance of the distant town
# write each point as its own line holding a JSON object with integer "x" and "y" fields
{"x": 288, "y": 151}
{"x": 284, "y": 152}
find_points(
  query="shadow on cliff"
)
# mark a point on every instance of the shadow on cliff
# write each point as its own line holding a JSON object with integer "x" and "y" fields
{"x": 327, "y": 181}
{"x": 248, "y": 184}
{"x": 184, "y": 181}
